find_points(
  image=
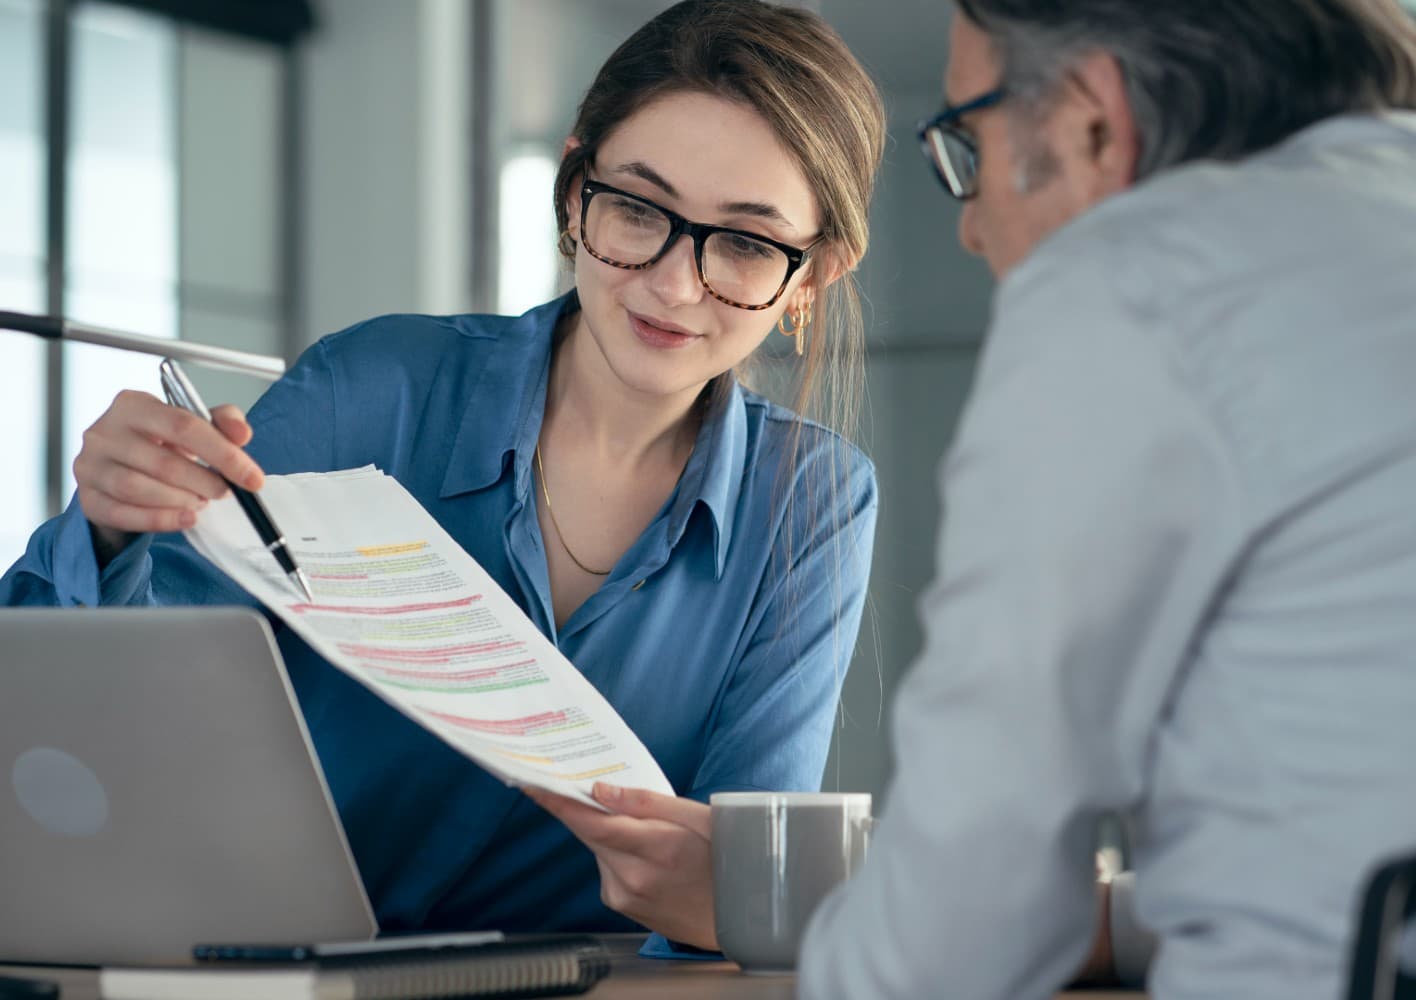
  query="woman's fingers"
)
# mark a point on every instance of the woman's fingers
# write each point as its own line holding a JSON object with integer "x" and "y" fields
{"x": 188, "y": 432}
{"x": 232, "y": 423}
{"x": 645, "y": 804}
{"x": 151, "y": 475}
{"x": 631, "y": 835}
{"x": 149, "y": 467}
{"x": 130, "y": 518}
{"x": 593, "y": 826}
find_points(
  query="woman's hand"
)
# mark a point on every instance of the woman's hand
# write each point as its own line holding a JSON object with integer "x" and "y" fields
{"x": 655, "y": 857}
{"x": 137, "y": 471}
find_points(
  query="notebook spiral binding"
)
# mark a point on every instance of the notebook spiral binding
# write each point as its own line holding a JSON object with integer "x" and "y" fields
{"x": 517, "y": 969}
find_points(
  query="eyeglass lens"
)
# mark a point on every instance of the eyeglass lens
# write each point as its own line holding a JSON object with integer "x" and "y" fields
{"x": 955, "y": 160}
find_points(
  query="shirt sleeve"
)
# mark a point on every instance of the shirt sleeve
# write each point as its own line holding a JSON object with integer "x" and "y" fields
{"x": 1091, "y": 514}
{"x": 294, "y": 430}
{"x": 772, "y": 729}
{"x": 60, "y": 569}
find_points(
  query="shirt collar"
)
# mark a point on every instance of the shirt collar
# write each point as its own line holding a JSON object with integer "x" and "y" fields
{"x": 714, "y": 473}
{"x": 505, "y": 408}
{"x": 504, "y": 405}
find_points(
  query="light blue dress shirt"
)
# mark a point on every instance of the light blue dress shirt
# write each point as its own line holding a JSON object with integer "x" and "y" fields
{"x": 1177, "y": 578}
{"x": 724, "y": 657}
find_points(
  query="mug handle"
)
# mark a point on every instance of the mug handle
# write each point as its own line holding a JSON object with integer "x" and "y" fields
{"x": 866, "y": 825}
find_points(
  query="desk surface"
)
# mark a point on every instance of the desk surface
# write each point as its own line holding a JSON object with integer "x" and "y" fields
{"x": 636, "y": 978}
{"x": 632, "y": 978}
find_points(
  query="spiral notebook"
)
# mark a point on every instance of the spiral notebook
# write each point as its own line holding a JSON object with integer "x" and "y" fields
{"x": 539, "y": 967}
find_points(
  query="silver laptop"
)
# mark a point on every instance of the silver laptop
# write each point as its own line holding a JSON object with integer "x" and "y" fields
{"x": 158, "y": 789}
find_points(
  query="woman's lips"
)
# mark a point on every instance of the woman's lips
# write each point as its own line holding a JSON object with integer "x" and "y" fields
{"x": 657, "y": 336}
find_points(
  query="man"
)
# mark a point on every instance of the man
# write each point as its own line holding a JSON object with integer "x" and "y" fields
{"x": 1178, "y": 566}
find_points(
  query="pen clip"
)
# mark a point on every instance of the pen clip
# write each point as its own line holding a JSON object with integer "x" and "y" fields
{"x": 179, "y": 389}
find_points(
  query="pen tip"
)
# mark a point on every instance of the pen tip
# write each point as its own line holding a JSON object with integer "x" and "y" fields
{"x": 304, "y": 585}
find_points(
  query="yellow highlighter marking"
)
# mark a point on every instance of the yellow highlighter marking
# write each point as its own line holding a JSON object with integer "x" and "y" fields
{"x": 391, "y": 550}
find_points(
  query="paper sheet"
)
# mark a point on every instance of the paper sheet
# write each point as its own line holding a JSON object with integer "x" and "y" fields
{"x": 402, "y": 608}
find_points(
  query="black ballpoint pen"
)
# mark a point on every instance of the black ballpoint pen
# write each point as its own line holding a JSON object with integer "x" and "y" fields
{"x": 180, "y": 392}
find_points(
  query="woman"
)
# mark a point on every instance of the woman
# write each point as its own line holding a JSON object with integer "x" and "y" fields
{"x": 697, "y": 552}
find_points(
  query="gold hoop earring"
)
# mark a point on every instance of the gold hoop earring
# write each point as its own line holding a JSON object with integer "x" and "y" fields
{"x": 800, "y": 321}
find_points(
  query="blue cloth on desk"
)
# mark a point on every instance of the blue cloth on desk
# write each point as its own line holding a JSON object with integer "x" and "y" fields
{"x": 659, "y": 946}
{"x": 727, "y": 667}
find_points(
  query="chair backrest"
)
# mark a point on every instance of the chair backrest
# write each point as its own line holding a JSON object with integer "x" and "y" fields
{"x": 1388, "y": 913}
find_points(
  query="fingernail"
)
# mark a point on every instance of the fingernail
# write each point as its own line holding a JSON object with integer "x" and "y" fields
{"x": 187, "y": 518}
{"x": 606, "y": 793}
{"x": 202, "y": 503}
{"x": 252, "y": 480}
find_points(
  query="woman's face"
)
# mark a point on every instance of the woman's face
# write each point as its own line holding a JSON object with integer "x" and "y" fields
{"x": 712, "y": 161}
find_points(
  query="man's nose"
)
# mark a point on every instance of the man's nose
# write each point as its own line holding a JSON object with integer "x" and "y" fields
{"x": 968, "y": 228}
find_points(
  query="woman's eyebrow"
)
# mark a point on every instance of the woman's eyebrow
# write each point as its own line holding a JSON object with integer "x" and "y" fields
{"x": 638, "y": 168}
{"x": 759, "y": 209}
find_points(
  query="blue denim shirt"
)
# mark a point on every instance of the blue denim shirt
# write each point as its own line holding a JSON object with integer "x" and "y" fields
{"x": 721, "y": 636}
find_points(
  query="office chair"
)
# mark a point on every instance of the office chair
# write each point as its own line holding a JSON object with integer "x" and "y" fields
{"x": 1388, "y": 909}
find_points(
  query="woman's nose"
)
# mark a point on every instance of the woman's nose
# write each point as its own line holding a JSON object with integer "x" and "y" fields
{"x": 674, "y": 277}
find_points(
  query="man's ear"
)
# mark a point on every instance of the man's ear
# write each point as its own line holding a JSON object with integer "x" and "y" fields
{"x": 1104, "y": 129}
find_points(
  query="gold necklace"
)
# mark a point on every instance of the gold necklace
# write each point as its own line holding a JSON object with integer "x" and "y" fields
{"x": 546, "y": 492}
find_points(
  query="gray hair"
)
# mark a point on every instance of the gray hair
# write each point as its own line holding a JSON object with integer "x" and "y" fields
{"x": 1217, "y": 80}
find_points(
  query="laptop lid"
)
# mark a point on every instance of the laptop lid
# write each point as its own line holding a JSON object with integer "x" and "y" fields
{"x": 158, "y": 788}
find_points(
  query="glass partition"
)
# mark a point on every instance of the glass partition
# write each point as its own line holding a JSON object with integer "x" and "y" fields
{"x": 22, "y": 264}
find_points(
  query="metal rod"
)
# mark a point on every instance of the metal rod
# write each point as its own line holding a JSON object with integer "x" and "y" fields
{"x": 52, "y": 328}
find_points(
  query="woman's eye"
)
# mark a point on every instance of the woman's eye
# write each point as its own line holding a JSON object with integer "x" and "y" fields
{"x": 741, "y": 246}
{"x": 633, "y": 210}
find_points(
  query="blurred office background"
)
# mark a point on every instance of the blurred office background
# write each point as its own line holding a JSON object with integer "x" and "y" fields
{"x": 258, "y": 174}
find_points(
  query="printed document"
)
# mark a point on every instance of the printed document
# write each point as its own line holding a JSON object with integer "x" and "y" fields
{"x": 403, "y": 609}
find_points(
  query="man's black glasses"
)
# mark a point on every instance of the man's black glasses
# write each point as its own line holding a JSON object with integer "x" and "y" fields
{"x": 952, "y": 151}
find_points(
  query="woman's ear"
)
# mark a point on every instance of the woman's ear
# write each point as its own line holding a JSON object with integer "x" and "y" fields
{"x": 825, "y": 268}
{"x": 572, "y": 192}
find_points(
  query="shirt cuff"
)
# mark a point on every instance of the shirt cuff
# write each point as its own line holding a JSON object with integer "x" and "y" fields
{"x": 128, "y": 572}
{"x": 1132, "y": 944}
{"x": 74, "y": 565}
{"x": 77, "y": 580}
